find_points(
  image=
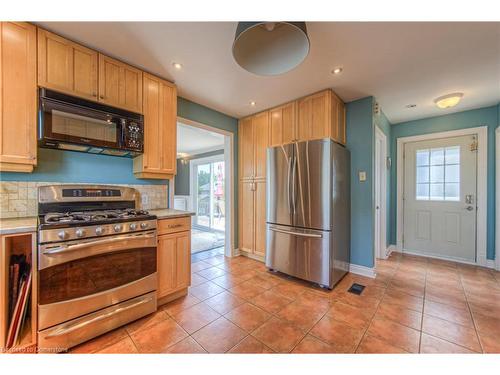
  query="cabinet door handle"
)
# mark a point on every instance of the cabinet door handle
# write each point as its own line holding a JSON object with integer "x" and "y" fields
{"x": 101, "y": 96}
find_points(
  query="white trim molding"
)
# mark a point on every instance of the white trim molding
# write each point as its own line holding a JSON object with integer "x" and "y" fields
{"x": 381, "y": 190}
{"x": 390, "y": 249}
{"x": 362, "y": 270}
{"x": 482, "y": 184}
{"x": 497, "y": 210}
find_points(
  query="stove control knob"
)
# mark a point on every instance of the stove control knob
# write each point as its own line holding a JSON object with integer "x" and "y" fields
{"x": 80, "y": 233}
{"x": 144, "y": 225}
{"x": 117, "y": 228}
{"x": 133, "y": 226}
{"x": 62, "y": 235}
{"x": 99, "y": 230}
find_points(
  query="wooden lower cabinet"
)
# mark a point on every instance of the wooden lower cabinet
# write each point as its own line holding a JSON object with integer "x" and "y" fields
{"x": 252, "y": 217}
{"x": 174, "y": 262}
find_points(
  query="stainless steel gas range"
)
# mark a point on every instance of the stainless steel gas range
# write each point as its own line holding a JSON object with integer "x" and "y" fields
{"x": 96, "y": 262}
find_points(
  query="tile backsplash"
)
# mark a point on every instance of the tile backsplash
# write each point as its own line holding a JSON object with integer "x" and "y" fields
{"x": 19, "y": 198}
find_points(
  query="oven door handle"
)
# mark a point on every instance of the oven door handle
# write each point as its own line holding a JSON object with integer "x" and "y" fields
{"x": 79, "y": 246}
{"x": 73, "y": 327}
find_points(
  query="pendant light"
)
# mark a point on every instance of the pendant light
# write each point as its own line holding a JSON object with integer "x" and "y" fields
{"x": 270, "y": 48}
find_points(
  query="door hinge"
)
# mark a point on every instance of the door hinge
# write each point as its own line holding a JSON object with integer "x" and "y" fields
{"x": 473, "y": 145}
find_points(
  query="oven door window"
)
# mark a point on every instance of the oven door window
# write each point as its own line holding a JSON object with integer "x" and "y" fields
{"x": 86, "y": 276}
{"x": 79, "y": 125}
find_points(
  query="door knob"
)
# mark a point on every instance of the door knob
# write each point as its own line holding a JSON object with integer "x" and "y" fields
{"x": 469, "y": 208}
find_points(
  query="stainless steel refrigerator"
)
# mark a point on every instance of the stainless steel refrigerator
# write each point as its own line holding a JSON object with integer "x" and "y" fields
{"x": 308, "y": 211}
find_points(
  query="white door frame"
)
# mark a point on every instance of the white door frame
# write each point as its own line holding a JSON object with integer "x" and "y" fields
{"x": 380, "y": 246}
{"x": 497, "y": 234}
{"x": 193, "y": 181}
{"x": 229, "y": 176}
{"x": 482, "y": 182}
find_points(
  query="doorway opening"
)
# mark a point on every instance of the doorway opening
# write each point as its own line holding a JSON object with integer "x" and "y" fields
{"x": 203, "y": 185}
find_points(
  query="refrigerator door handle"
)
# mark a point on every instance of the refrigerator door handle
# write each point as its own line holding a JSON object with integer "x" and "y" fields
{"x": 310, "y": 235}
{"x": 289, "y": 185}
{"x": 294, "y": 169}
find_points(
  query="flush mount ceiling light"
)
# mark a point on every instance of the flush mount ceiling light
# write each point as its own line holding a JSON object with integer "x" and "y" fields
{"x": 177, "y": 65}
{"x": 252, "y": 103}
{"x": 270, "y": 48}
{"x": 448, "y": 101}
{"x": 337, "y": 70}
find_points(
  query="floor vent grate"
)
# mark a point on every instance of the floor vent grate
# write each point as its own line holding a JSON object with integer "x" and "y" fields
{"x": 356, "y": 289}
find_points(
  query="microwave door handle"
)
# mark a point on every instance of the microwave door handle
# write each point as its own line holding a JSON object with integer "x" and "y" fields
{"x": 79, "y": 246}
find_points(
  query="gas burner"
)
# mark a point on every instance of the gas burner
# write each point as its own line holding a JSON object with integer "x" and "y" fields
{"x": 67, "y": 217}
{"x": 92, "y": 216}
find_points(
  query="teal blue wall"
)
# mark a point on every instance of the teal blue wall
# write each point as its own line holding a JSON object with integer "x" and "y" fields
{"x": 360, "y": 142}
{"x": 383, "y": 123}
{"x": 489, "y": 117}
{"x": 78, "y": 167}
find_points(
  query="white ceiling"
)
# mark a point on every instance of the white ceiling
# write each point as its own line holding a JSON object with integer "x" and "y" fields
{"x": 398, "y": 63}
{"x": 193, "y": 141}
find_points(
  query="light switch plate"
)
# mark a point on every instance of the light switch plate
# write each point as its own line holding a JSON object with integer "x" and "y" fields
{"x": 362, "y": 176}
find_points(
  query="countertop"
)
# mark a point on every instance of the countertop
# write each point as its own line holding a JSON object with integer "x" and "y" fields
{"x": 30, "y": 224}
{"x": 18, "y": 225}
{"x": 168, "y": 213}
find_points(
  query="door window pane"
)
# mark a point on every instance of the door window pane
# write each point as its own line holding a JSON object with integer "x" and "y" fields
{"x": 451, "y": 192}
{"x": 452, "y": 155}
{"x": 423, "y": 192}
{"x": 453, "y": 173}
{"x": 422, "y": 175}
{"x": 437, "y": 156}
{"x": 422, "y": 157}
{"x": 438, "y": 174}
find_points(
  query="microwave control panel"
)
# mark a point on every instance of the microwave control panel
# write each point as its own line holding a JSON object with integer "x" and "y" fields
{"x": 133, "y": 135}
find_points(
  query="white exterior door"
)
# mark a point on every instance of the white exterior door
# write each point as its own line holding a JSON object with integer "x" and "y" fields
{"x": 440, "y": 197}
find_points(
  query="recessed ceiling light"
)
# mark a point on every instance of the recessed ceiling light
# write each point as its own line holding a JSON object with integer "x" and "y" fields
{"x": 252, "y": 103}
{"x": 337, "y": 70}
{"x": 448, "y": 101}
{"x": 410, "y": 105}
{"x": 177, "y": 65}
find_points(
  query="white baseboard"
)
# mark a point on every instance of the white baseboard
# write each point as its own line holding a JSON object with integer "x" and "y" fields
{"x": 362, "y": 270}
{"x": 490, "y": 263}
{"x": 389, "y": 250}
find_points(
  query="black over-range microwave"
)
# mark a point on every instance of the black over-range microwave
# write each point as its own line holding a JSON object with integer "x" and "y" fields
{"x": 69, "y": 123}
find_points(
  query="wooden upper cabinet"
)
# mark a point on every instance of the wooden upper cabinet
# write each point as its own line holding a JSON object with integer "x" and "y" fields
{"x": 282, "y": 124}
{"x": 260, "y": 123}
{"x": 246, "y": 148}
{"x": 314, "y": 116}
{"x": 160, "y": 130}
{"x": 66, "y": 66}
{"x": 18, "y": 97}
{"x": 120, "y": 85}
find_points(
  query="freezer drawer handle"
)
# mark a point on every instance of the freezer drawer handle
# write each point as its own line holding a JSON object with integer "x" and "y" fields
{"x": 311, "y": 235}
{"x": 79, "y": 246}
{"x": 74, "y": 327}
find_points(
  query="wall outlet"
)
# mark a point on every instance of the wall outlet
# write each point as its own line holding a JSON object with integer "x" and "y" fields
{"x": 362, "y": 176}
{"x": 144, "y": 199}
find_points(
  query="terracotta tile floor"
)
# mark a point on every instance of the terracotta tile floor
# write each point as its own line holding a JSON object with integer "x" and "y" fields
{"x": 414, "y": 305}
